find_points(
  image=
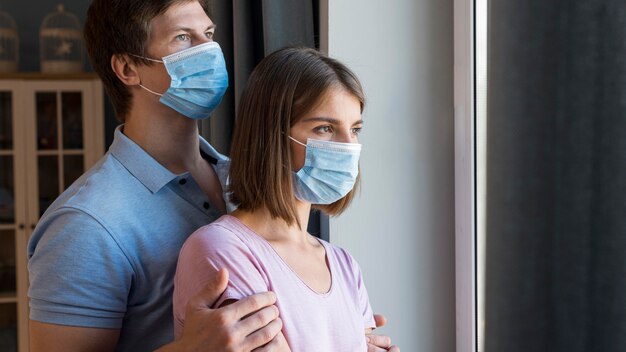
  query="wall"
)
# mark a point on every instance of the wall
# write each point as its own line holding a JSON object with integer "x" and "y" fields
{"x": 401, "y": 228}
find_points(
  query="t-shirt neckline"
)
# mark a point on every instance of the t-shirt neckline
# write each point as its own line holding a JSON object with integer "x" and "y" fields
{"x": 266, "y": 243}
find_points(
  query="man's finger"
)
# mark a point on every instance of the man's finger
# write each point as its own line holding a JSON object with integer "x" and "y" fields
{"x": 380, "y": 320}
{"x": 211, "y": 291}
{"x": 372, "y": 348}
{"x": 379, "y": 341}
{"x": 248, "y": 305}
{"x": 394, "y": 349}
{"x": 261, "y": 338}
{"x": 257, "y": 320}
{"x": 278, "y": 343}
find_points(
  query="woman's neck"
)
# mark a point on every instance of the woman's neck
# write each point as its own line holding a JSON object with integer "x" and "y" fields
{"x": 276, "y": 230}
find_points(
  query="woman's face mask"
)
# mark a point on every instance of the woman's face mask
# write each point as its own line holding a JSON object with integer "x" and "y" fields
{"x": 198, "y": 80}
{"x": 329, "y": 172}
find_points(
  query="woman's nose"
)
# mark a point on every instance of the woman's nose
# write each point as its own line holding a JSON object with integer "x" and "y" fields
{"x": 345, "y": 136}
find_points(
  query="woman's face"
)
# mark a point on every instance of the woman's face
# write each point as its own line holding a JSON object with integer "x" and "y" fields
{"x": 336, "y": 118}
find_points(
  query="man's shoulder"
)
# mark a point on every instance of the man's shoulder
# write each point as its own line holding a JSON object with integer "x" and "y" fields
{"x": 81, "y": 206}
{"x": 102, "y": 188}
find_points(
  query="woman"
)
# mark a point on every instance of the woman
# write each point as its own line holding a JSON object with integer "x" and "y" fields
{"x": 295, "y": 146}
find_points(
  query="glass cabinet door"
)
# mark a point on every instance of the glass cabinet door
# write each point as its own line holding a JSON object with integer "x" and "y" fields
{"x": 50, "y": 130}
{"x": 8, "y": 226}
{"x": 60, "y": 146}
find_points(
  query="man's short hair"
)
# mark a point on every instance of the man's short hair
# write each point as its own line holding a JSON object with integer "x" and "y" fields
{"x": 115, "y": 27}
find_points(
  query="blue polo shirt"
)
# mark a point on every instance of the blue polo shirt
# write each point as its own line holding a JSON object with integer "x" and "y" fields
{"x": 104, "y": 253}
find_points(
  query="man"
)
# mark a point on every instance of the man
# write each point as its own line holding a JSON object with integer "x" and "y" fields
{"x": 103, "y": 256}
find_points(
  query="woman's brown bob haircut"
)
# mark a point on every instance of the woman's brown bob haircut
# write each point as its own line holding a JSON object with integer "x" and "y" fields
{"x": 118, "y": 27}
{"x": 282, "y": 88}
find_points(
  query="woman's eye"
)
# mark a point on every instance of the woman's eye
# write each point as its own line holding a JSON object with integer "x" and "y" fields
{"x": 209, "y": 35}
{"x": 324, "y": 129}
{"x": 183, "y": 37}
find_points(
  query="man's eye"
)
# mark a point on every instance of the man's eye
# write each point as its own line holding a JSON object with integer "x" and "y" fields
{"x": 357, "y": 130}
{"x": 183, "y": 37}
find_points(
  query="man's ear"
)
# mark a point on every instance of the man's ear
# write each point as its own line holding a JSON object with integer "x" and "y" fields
{"x": 125, "y": 69}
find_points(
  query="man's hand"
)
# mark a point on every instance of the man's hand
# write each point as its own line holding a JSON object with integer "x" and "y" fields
{"x": 379, "y": 343}
{"x": 248, "y": 324}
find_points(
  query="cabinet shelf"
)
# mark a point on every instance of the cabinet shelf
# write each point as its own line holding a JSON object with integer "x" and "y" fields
{"x": 46, "y": 152}
{"x": 48, "y": 76}
{"x": 8, "y": 297}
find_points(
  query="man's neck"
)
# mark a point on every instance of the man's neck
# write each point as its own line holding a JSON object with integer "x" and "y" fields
{"x": 168, "y": 137}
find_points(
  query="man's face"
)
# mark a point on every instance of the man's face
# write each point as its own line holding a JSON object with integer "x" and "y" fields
{"x": 180, "y": 27}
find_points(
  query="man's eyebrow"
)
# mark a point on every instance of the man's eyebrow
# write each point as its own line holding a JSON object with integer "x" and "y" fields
{"x": 187, "y": 29}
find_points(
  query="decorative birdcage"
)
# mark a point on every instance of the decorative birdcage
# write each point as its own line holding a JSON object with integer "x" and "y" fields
{"x": 61, "y": 42}
{"x": 9, "y": 44}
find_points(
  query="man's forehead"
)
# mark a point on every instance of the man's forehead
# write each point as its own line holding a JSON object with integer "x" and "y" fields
{"x": 189, "y": 14}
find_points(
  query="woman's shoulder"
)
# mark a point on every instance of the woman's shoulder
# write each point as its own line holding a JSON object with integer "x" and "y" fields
{"x": 343, "y": 258}
{"x": 221, "y": 234}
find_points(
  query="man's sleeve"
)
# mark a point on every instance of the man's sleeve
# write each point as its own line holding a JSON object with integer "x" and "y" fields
{"x": 78, "y": 274}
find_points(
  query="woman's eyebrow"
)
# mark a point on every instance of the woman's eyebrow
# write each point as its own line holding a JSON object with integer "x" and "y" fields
{"x": 321, "y": 119}
{"x": 328, "y": 119}
{"x": 360, "y": 122}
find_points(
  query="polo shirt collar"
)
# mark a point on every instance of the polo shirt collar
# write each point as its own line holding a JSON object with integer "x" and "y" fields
{"x": 139, "y": 163}
{"x": 144, "y": 167}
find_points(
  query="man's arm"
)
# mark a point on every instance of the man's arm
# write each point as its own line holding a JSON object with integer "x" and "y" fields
{"x": 249, "y": 324}
{"x": 60, "y": 338}
{"x": 69, "y": 251}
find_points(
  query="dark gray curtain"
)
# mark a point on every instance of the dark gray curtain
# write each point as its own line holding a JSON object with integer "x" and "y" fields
{"x": 247, "y": 31}
{"x": 556, "y": 204}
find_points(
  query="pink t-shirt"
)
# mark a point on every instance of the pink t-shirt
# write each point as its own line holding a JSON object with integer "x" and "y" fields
{"x": 333, "y": 321}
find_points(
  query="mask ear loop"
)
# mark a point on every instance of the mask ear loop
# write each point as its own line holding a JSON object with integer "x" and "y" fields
{"x": 141, "y": 85}
{"x": 302, "y": 144}
{"x": 147, "y": 58}
{"x": 150, "y": 90}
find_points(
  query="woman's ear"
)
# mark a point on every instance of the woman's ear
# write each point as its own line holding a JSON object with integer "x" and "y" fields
{"x": 125, "y": 69}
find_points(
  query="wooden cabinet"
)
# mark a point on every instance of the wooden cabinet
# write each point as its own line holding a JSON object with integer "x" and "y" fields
{"x": 51, "y": 131}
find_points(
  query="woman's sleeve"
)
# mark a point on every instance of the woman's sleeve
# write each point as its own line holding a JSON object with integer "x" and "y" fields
{"x": 204, "y": 253}
{"x": 362, "y": 296}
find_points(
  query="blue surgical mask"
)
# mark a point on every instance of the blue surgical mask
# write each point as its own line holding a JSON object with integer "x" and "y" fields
{"x": 329, "y": 172}
{"x": 199, "y": 80}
